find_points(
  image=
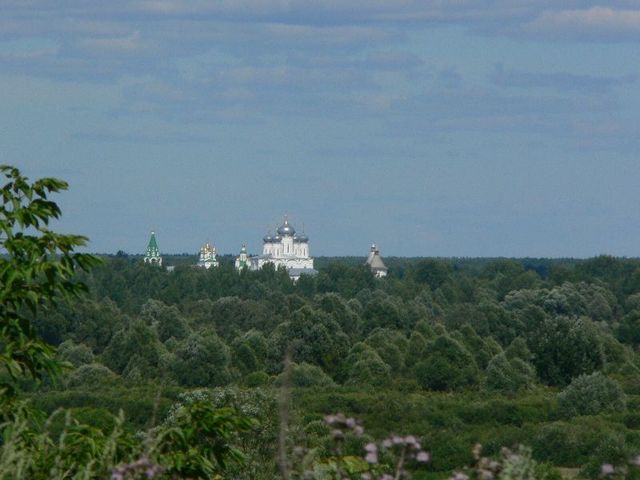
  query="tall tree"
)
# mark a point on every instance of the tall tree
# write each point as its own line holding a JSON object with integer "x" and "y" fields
{"x": 37, "y": 269}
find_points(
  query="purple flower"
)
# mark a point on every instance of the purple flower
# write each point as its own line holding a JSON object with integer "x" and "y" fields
{"x": 351, "y": 422}
{"x": 371, "y": 447}
{"x": 607, "y": 469}
{"x": 423, "y": 457}
{"x": 358, "y": 430}
{"x": 371, "y": 457}
{"x": 486, "y": 475}
{"x": 151, "y": 472}
{"x": 386, "y": 443}
{"x": 635, "y": 461}
{"x": 459, "y": 476}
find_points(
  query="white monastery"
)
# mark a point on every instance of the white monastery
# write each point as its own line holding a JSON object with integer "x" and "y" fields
{"x": 286, "y": 249}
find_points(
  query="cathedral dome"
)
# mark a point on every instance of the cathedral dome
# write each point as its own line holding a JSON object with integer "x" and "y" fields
{"x": 285, "y": 229}
{"x": 301, "y": 238}
{"x": 267, "y": 238}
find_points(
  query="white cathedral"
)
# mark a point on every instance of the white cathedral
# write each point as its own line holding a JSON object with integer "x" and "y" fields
{"x": 286, "y": 249}
{"x": 208, "y": 257}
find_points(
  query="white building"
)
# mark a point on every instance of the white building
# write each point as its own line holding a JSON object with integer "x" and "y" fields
{"x": 243, "y": 261}
{"x": 208, "y": 256}
{"x": 375, "y": 263}
{"x": 286, "y": 249}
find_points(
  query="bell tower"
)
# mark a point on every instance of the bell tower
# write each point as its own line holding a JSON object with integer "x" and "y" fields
{"x": 153, "y": 252}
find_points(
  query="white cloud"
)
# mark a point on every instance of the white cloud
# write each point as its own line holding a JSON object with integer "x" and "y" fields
{"x": 296, "y": 35}
{"x": 28, "y": 49}
{"x": 592, "y": 22}
{"x": 128, "y": 43}
{"x": 560, "y": 81}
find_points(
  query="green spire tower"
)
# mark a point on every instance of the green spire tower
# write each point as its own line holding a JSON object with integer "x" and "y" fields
{"x": 153, "y": 252}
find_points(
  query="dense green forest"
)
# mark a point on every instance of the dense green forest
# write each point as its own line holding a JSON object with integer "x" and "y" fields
{"x": 454, "y": 351}
{"x": 468, "y": 368}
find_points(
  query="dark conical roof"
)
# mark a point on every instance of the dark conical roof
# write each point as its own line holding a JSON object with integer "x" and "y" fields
{"x": 375, "y": 260}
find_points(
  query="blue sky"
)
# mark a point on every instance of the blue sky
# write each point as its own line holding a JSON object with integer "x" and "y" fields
{"x": 467, "y": 128}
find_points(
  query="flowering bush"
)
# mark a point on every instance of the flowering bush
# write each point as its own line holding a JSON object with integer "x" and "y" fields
{"x": 510, "y": 465}
{"x": 388, "y": 459}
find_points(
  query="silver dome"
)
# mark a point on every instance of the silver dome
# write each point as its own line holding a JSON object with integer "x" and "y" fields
{"x": 285, "y": 229}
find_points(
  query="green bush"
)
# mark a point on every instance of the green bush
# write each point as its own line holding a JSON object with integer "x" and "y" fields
{"x": 591, "y": 395}
{"x": 576, "y": 442}
{"x": 256, "y": 379}
{"x": 611, "y": 450}
{"x": 306, "y": 375}
{"x": 565, "y": 347}
{"x": 448, "y": 366}
{"x": 202, "y": 360}
{"x": 92, "y": 375}
{"x": 76, "y": 354}
{"x": 544, "y": 471}
{"x": 365, "y": 367}
{"x": 509, "y": 375}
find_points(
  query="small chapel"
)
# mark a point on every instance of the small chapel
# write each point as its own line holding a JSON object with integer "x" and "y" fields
{"x": 375, "y": 263}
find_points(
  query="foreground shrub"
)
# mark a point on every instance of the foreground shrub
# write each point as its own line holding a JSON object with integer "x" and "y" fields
{"x": 30, "y": 451}
{"x": 611, "y": 460}
{"x": 258, "y": 443}
{"x": 517, "y": 464}
{"x": 591, "y": 395}
{"x": 199, "y": 442}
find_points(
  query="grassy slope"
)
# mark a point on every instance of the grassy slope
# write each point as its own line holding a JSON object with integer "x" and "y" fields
{"x": 449, "y": 423}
